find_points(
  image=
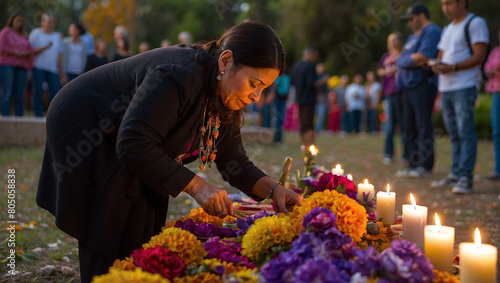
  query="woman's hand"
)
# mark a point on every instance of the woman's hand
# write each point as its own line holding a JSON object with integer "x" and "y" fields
{"x": 211, "y": 198}
{"x": 285, "y": 199}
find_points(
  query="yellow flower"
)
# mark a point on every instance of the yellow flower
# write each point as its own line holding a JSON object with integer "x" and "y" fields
{"x": 205, "y": 277}
{"x": 351, "y": 216}
{"x": 265, "y": 233}
{"x": 198, "y": 215}
{"x": 444, "y": 277}
{"x": 129, "y": 276}
{"x": 125, "y": 264}
{"x": 245, "y": 276}
{"x": 182, "y": 242}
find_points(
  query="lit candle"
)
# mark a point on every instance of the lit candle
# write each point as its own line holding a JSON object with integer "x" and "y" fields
{"x": 440, "y": 245}
{"x": 414, "y": 221}
{"x": 386, "y": 205}
{"x": 338, "y": 170}
{"x": 366, "y": 188}
{"x": 313, "y": 150}
{"x": 349, "y": 176}
{"x": 478, "y": 261}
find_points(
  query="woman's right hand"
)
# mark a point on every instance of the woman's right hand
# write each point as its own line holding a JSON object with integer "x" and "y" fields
{"x": 211, "y": 198}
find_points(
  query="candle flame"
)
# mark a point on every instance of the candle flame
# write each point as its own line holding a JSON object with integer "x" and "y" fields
{"x": 388, "y": 188}
{"x": 313, "y": 150}
{"x": 349, "y": 176}
{"x": 366, "y": 181}
{"x": 477, "y": 238}
{"x": 438, "y": 222}
{"x": 338, "y": 167}
{"x": 413, "y": 201}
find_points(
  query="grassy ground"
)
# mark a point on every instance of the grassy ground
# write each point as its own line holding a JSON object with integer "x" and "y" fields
{"x": 43, "y": 244}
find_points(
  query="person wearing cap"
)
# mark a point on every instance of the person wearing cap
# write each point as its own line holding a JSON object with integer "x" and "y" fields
{"x": 419, "y": 89}
{"x": 459, "y": 67}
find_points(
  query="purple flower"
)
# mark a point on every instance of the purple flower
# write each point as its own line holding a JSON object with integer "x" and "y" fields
{"x": 244, "y": 225}
{"x": 225, "y": 232}
{"x": 367, "y": 262}
{"x": 420, "y": 266}
{"x": 281, "y": 268}
{"x": 319, "y": 219}
{"x": 317, "y": 270}
{"x": 227, "y": 251}
{"x": 395, "y": 269}
{"x": 303, "y": 245}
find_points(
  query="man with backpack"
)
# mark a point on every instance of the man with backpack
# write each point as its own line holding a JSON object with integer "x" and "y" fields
{"x": 462, "y": 51}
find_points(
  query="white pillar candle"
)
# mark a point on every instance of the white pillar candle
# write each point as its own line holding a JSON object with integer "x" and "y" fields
{"x": 478, "y": 261}
{"x": 338, "y": 170}
{"x": 414, "y": 221}
{"x": 366, "y": 188}
{"x": 386, "y": 206}
{"x": 440, "y": 245}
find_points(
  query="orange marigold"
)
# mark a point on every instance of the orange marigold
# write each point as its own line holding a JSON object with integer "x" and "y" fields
{"x": 182, "y": 242}
{"x": 444, "y": 277}
{"x": 351, "y": 216}
{"x": 124, "y": 264}
{"x": 129, "y": 276}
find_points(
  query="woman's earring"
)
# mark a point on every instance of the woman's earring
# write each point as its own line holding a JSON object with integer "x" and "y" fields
{"x": 219, "y": 77}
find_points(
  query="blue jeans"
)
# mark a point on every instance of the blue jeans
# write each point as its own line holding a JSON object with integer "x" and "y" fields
{"x": 418, "y": 103}
{"x": 13, "y": 82}
{"x": 279, "y": 108}
{"x": 321, "y": 113}
{"x": 345, "y": 122}
{"x": 394, "y": 119}
{"x": 40, "y": 76}
{"x": 458, "y": 115}
{"x": 495, "y": 126}
{"x": 371, "y": 120}
{"x": 356, "y": 120}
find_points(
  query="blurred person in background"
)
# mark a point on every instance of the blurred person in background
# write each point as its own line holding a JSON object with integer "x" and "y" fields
{"x": 143, "y": 47}
{"x": 165, "y": 43}
{"x": 122, "y": 49}
{"x": 355, "y": 98}
{"x": 47, "y": 66}
{"x": 74, "y": 51}
{"x": 99, "y": 58}
{"x": 373, "y": 95}
{"x": 322, "y": 98}
{"x": 16, "y": 58}
{"x": 387, "y": 70}
{"x": 345, "y": 121}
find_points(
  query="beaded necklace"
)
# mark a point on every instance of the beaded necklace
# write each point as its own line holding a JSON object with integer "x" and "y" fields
{"x": 209, "y": 134}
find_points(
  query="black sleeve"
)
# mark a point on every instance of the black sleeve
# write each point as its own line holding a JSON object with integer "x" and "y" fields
{"x": 233, "y": 163}
{"x": 153, "y": 112}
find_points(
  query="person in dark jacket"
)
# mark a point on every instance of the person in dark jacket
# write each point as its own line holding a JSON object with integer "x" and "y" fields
{"x": 117, "y": 137}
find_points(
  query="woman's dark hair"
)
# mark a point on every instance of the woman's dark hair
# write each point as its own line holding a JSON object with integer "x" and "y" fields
{"x": 254, "y": 45}
{"x": 125, "y": 43}
{"x": 81, "y": 29}
{"x": 10, "y": 20}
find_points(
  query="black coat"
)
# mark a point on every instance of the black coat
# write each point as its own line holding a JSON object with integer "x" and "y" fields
{"x": 116, "y": 130}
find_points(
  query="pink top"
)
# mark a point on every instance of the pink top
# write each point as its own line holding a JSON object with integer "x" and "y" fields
{"x": 493, "y": 63}
{"x": 10, "y": 41}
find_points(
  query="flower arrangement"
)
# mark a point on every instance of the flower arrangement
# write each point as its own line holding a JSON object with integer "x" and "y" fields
{"x": 159, "y": 260}
{"x": 227, "y": 251}
{"x": 198, "y": 215}
{"x": 350, "y": 215}
{"x": 131, "y": 276}
{"x": 204, "y": 230}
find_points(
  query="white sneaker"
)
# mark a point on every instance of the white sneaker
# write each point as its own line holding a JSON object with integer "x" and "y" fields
{"x": 386, "y": 160}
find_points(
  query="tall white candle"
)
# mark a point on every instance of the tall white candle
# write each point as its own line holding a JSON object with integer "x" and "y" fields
{"x": 439, "y": 245}
{"x": 338, "y": 170}
{"x": 478, "y": 261}
{"x": 386, "y": 206}
{"x": 414, "y": 221}
{"x": 366, "y": 188}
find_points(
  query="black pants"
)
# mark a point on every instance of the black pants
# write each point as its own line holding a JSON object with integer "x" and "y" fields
{"x": 418, "y": 103}
{"x": 146, "y": 218}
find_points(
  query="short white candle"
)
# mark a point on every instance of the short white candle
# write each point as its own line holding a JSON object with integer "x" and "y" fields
{"x": 386, "y": 206}
{"x": 338, "y": 170}
{"x": 440, "y": 245}
{"x": 366, "y": 188}
{"x": 349, "y": 176}
{"x": 414, "y": 221}
{"x": 478, "y": 261}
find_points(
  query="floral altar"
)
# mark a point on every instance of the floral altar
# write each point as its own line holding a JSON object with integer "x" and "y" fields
{"x": 329, "y": 238}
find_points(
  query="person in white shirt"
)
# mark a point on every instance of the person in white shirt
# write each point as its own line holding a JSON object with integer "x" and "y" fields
{"x": 355, "y": 97}
{"x": 373, "y": 95}
{"x": 458, "y": 64}
{"x": 74, "y": 51}
{"x": 47, "y": 66}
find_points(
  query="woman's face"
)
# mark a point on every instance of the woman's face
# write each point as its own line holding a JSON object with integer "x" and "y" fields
{"x": 18, "y": 23}
{"x": 73, "y": 30}
{"x": 241, "y": 86}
